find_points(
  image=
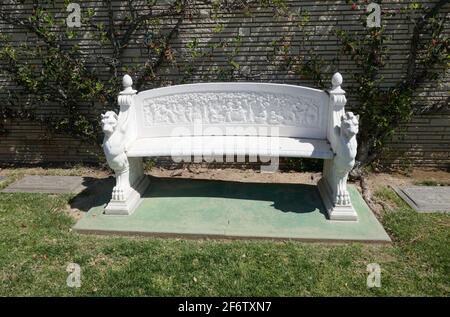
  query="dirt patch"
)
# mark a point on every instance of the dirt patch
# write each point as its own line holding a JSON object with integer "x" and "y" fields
{"x": 238, "y": 175}
{"x": 378, "y": 180}
{"x": 72, "y": 171}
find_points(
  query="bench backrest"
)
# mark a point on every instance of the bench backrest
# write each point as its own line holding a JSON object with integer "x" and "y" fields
{"x": 232, "y": 109}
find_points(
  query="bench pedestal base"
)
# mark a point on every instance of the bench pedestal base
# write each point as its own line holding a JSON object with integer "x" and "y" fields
{"x": 343, "y": 213}
{"x": 127, "y": 206}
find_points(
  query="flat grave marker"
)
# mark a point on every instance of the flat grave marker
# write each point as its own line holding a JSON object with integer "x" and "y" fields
{"x": 46, "y": 184}
{"x": 426, "y": 198}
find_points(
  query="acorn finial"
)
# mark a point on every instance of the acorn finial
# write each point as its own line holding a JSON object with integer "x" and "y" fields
{"x": 127, "y": 81}
{"x": 336, "y": 80}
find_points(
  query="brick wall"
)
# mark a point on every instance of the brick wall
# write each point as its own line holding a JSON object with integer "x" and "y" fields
{"x": 424, "y": 141}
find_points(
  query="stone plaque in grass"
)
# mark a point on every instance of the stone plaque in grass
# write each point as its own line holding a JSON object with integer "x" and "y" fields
{"x": 47, "y": 184}
{"x": 426, "y": 198}
{"x": 2, "y": 178}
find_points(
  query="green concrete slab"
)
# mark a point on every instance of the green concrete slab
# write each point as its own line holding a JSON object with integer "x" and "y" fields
{"x": 223, "y": 209}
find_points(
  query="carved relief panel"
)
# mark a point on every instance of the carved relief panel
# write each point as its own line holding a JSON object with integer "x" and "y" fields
{"x": 241, "y": 108}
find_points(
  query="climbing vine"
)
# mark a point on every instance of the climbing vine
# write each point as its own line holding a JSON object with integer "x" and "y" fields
{"x": 382, "y": 109}
{"x": 62, "y": 74}
{"x": 52, "y": 68}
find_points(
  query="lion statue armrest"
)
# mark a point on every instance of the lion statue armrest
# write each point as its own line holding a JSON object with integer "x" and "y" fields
{"x": 345, "y": 155}
{"x": 114, "y": 148}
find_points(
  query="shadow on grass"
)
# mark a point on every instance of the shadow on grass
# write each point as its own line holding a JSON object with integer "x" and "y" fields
{"x": 96, "y": 193}
{"x": 297, "y": 198}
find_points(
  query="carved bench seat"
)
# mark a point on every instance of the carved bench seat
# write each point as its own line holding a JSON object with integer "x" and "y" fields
{"x": 229, "y": 145}
{"x": 211, "y": 121}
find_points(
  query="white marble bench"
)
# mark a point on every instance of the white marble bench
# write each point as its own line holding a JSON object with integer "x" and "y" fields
{"x": 213, "y": 120}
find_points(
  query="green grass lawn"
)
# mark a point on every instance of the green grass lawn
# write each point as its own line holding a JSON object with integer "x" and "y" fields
{"x": 36, "y": 245}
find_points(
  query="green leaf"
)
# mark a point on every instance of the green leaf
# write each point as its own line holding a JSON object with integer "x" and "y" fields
{"x": 235, "y": 64}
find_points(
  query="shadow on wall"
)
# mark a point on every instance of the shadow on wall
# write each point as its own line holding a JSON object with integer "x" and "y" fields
{"x": 407, "y": 156}
{"x": 28, "y": 142}
{"x": 297, "y": 198}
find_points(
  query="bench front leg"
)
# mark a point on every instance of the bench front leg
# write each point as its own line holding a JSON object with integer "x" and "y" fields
{"x": 131, "y": 184}
{"x": 341, "y": 134}
{"x": 119, "y": 131}
{"x": 121, "y": 168}
{"x": 333, "y": 189}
